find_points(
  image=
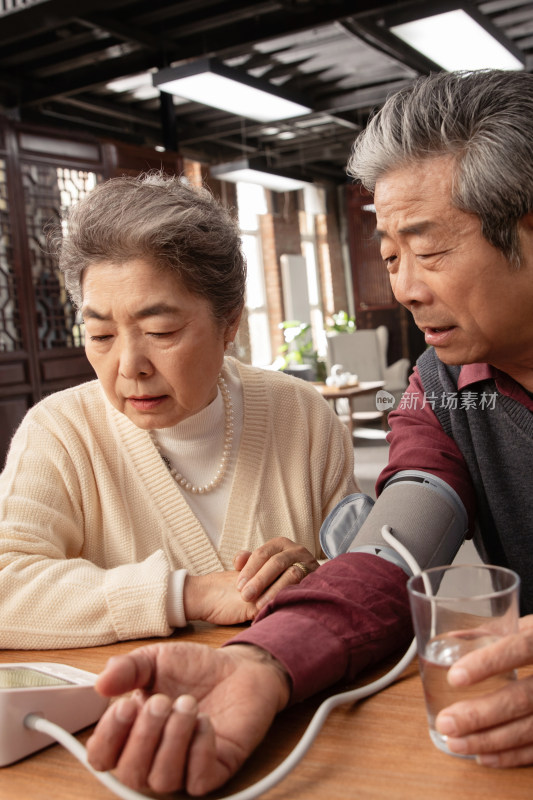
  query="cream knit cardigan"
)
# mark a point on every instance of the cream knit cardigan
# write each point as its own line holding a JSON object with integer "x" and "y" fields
{"x": 92, "y": 523}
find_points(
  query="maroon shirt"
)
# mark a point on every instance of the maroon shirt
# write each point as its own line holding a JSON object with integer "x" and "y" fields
{"x": 348, "y": 614}
{"x": 417, "y": 440}
{"x": 354, "y": 611}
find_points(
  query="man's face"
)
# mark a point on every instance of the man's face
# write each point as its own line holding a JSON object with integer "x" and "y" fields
{"x": 470, "y": 303}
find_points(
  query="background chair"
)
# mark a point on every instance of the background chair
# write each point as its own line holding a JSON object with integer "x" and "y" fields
{"x": 364, "y": 353}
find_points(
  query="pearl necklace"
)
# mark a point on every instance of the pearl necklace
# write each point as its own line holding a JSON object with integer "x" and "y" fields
{"x": 180, "y": 479}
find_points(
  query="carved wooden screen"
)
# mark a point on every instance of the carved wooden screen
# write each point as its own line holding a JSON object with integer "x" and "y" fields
{"x": 10, "y": 332}
{"x": 41, "y": 340}
{"x": 48, "y": 192}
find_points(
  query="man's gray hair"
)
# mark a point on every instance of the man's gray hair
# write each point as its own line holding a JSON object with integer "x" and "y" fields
{"x": 484, "y": 120}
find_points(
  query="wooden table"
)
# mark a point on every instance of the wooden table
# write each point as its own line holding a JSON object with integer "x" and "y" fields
{"x": 378, "y": 749}
{"x": 333, "y": 393}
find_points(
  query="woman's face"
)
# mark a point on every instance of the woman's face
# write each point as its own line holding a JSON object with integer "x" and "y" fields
{"x": 156, "y": 348}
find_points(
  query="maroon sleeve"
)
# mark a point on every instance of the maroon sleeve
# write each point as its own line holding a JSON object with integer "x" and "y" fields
{"x": 417, "y": 441}
{"x": 349, "y": 614}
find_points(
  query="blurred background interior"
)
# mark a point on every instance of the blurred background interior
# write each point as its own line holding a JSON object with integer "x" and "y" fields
{"x": 108, "y": 87}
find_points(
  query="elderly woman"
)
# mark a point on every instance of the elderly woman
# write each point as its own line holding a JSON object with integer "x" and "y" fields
{"x": 181, "y": 484}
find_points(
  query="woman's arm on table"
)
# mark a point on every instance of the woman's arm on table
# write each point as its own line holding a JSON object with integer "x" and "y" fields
{"x": 67, "y": 575}
{"x": 63, "y": 583}
{"x": 232, "y": 597}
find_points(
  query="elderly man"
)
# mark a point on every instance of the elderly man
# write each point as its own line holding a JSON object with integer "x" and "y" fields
{"x": 451, "y": 165}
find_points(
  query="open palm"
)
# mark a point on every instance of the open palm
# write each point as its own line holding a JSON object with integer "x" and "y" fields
{"x": 154, "y": 742}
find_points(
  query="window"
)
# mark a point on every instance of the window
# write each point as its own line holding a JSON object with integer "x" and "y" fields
{"x": 309, "y": 252}
{"x": 251, "y": 202}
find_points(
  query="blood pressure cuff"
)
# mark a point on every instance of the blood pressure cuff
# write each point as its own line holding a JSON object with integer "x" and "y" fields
{"x": 425, "y": 514}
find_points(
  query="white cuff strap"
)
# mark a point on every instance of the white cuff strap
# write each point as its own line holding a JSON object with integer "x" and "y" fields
{"x": 175, "y": 609}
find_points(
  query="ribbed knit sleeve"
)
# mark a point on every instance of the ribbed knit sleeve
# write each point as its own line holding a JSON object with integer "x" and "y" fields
{"x": 71, "y": 572}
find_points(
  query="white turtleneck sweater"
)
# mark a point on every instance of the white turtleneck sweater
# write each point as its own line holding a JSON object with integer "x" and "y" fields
{"x": 194, "y": 448}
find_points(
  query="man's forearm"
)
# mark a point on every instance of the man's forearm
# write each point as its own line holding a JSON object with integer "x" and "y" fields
{"x": 349, "y": 614}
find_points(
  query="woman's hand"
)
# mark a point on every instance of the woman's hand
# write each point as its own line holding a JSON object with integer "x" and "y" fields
{"x": 196, "y": 716}
{"x": 272, "y": 567}
{"x": 216, "y": 599}
{"x": 497, "y": 728}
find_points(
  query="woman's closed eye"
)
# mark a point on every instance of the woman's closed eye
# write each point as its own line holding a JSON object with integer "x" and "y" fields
{"x": 161, "y": 334}
{"x": 101, "y": 338}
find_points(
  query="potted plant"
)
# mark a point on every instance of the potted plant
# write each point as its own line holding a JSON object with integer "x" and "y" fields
{"x": 298, "y": 355}
{"x": 342, "y": 322}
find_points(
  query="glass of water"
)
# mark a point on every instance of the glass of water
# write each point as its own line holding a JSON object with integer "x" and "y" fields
{"x": 457, "y": 609}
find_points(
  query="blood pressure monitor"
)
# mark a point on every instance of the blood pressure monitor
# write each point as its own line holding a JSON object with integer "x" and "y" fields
{"x": 60, "y": 693}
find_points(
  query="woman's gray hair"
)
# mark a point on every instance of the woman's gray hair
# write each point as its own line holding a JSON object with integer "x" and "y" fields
{"x": 162, "y": 220}
{"x": 484, "y": 120}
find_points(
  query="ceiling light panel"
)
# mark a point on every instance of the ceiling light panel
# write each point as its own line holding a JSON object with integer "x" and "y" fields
{"x": 214, "y": 84}
{"x": 456, "y": 41}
